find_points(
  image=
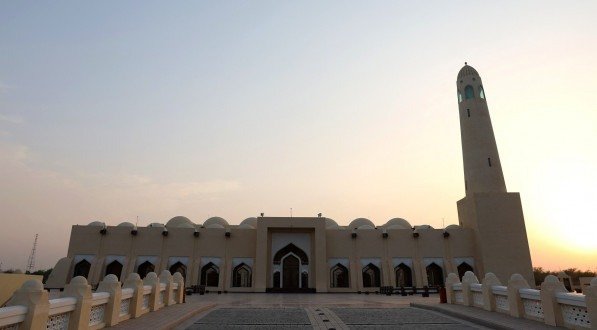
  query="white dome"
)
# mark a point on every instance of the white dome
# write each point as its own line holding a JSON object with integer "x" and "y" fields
{"x": 421, "y": 227}
{"x": 97, "y": 224}
{"x": 126, "y": 224}
{"x": 365, "y": 227}
{"x": 398, "y": 227}
{"x": 215, "y": 225}
{"x": 356, "y": 223}
{"x": 215, "y": 220}
{"x": 180, "y": 222}
{"x": 330, "y": 224}
{"x": 453, "y": 227}
{"x": 251, "y": 222}
{"x": 156, "y": 224}
{"x": 398, "y": 222}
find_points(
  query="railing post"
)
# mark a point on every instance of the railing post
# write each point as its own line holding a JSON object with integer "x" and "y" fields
{"x": 468, "y": 279}
{"x": 152, "y": 280}
{"x": 111, "y": 285}
{"x": 450, "y": 281}
{"x": 36, "y": 299}
{"x": 80, "y": 290}
{"x": 179, "y": 296}
{"x": 133, "y": 281}
{"x": 166, "y": 278}
{"x": 591, "y": 300}
{"x": 552, "y": 313}
{"x": 487, "y": 289}
{"x": 516, "y": 283}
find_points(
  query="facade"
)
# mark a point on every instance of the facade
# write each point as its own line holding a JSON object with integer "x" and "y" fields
{"x": 316, "y": 254}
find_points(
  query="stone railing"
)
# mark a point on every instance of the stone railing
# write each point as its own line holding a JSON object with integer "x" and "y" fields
{"x": 552, "y": 305}
{"x": 80, "y": 308}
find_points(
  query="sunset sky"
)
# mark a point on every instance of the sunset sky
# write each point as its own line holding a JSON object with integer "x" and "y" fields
{"x": 116, "y": 110}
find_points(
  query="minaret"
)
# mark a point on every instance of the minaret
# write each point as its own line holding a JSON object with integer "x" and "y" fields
{"x": 492, "y": 214}
{"x": 482, "y": 166}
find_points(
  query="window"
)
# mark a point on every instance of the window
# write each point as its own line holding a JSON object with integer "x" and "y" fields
{"x": 435, "y": 275}
{"x": 339, "y": 276}
{"x": 241, "y": 276}
{"x": 210, "y": 275}
{"x": 481, "y": 92}
{"x": 145, "y": 268}
{"x": 114, "y": 268}
{"x": 371, "y": 276}
{"x": 82, "y": 268}
{"x": 468, "y": 112}
{"x": 469, "y": 92}
{"x": 463, "y": 268}
{"x": 404, "y": 277}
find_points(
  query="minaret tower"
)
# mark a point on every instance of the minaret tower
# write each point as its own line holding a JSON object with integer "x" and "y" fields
{"x": 482, "y": 167}
{"x": 494, "y": 215}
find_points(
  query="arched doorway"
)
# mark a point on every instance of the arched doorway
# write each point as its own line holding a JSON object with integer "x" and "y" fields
{"x": 210, "y": 275}
{"x": 463, "y": 268}
{"x": 339, "y": 276}
{"x": 114, "y": 268}
{"x": 241, "y": 276}
{"x": 290, "y": 272}
{"x": 145, "y": 268}
{"x": 179, "y": 267}
{"x": 435, "y": 275}
{"x": 371, "y": 276}
{"x": 404, "y": 277}
{"x": 82, "y": 268}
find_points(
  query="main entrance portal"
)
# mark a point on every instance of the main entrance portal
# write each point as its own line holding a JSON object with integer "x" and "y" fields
{"x": 290, "y": 271}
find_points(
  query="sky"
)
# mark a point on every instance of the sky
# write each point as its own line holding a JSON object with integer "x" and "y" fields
{"x": 117, "y": 111}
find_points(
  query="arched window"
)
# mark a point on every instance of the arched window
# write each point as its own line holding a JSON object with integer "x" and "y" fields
{"x": 145, "y": 268}
{"x": 463, "y": 268}
{"x": 114, "y": 268}
{"x": 435, "y": 275}
{"x": 404, "y": 275}
{"x": 304, "y": 279}
{"x": 469, "y": 92}
{"x": 210, "y": 275}
{"x": 180, "y": 268}
{"x": 339, "y": 276}
{"x": 371, "y": 276}
{"x": 459, "y": 97}
{"x": 82, "y": 268}
{"x": 277, "y": 279}
{"x": 241, "y": 276}
{"x": 481, "y": 92}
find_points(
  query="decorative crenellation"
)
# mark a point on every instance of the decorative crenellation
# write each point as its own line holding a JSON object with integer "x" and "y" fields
{"x": 552, "y": 305}
{"x": 30, "y": 307}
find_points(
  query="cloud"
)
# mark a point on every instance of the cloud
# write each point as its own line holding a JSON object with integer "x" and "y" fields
{"x": 12, "y": 119}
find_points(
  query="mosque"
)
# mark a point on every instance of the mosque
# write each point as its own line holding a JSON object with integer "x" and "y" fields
{"x": 315, "y": 254}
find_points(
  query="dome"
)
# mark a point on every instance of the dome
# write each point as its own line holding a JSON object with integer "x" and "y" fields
{"x": 467, "y": 70}
{"x": 215, "y": 220}
{"x": 365, "y": 227}
{"x": 421, "y": 227}
{"x": 356, "y": 223}
{"x": 245, "y": 226}
{"x": 215, "y": 225}
{"x": 126, "y": 224}
{"x": 180, "y": 222}
{"x": 251, "y": 222}
{"x": 397, "y": 227}
{"x": 330, "y": 224}
{"x": 97, "y": 224}
{"x": 453, "y": 227}
{"x": 403, "y": 224}
{"x": 156, "y": 224}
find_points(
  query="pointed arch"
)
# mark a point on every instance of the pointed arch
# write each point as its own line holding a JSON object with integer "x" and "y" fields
{"x": 179, "y": 267}
{"x": 210, "y": 275}
{"x": 404, "y": 275}
{"x": 469, "y": 92}
{"x": 145, "y": 268}
{"x": 241, "y": 276}
{"x": 339, "y": 276}
{"x": 82, "y": 268}
{"x": 463, "y": 268}
{"x": 291, "y": 248}
{"x": 114, "y": 268}
{"x": 435, "y": 275}
{"x": 371, "y": 276}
